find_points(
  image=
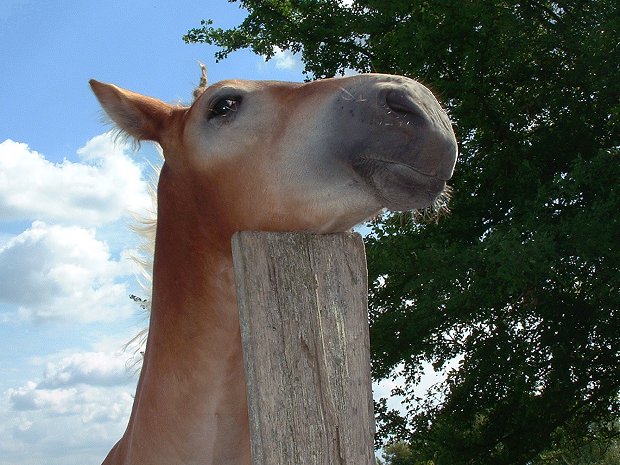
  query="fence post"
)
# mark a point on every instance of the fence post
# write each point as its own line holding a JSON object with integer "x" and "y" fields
{"x": 303, "y": 308}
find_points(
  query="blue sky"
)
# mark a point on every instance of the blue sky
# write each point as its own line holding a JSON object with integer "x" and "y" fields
{"x": 66, "y": 190}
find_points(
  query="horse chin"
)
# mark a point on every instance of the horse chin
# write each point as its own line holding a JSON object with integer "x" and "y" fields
{"x": 401, "y": 187}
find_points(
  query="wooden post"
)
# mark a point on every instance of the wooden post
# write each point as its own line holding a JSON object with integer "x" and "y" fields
{"x": 303, "y": 307}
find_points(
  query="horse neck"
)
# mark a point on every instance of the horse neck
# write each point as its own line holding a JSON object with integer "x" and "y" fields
{"x": 193, "y": 369}
{"x": 194, "y": 302}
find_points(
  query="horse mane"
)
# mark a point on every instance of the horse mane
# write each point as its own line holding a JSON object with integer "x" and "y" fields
{"x": 144, "y": 225}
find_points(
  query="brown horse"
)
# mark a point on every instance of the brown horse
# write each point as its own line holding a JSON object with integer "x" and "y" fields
{"x": 265, "y": 156}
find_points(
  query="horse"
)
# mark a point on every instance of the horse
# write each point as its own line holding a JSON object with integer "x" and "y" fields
{"x": 316, "y": 157}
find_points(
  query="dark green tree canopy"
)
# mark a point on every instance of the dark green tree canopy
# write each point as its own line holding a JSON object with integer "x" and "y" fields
{"x": 520, "y": 285}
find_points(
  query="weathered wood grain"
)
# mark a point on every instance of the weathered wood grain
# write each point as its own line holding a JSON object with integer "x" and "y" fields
{"x": 304, "y": 323}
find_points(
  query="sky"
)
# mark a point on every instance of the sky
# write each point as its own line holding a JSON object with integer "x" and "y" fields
{"x": 69, "y": 193}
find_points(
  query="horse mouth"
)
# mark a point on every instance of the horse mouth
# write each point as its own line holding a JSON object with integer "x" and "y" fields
{"x": 400, "y": 186}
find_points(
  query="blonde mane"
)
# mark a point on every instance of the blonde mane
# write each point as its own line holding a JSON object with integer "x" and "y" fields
{"x": 144, "y": 226}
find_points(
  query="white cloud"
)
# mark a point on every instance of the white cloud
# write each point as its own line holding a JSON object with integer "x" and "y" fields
{"x": 52, "y": 272}
{"x": 58, "y": 268}
{"x": 61, "y": 269}
{"x": 88, "y": 403}
{"x": 63, "y": 424}
{"x": 285, "y": 59}
{"x": 98, "y": 189}
{"x": 86, "y": 393}
{"x": 57, "y": 401}
{"x": 93, "y": 368}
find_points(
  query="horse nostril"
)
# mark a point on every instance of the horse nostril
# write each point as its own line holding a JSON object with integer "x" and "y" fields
{"x": 401, "y": 102}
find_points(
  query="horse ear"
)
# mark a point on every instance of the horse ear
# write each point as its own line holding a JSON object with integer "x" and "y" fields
{"x": 143, "y": 118}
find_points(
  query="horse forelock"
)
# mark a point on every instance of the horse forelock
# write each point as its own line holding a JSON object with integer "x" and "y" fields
{"x": 203, "y": 84}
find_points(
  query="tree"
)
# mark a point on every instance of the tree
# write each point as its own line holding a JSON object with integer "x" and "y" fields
{"x": 520, "y": 285}
{"x": 593, "y": 449}
{"x": 581, "y": 451}
{"x": 398, "y": 453}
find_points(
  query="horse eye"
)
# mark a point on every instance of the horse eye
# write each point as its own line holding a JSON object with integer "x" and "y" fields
{"x": 224, "y": 107}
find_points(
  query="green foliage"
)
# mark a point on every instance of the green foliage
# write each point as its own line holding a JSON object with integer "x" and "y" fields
{"x": 329, "y": 36}
{"x": 595, "y": 448}
{"x": 521, "y": 284}
{"x": 398, "y": 453}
